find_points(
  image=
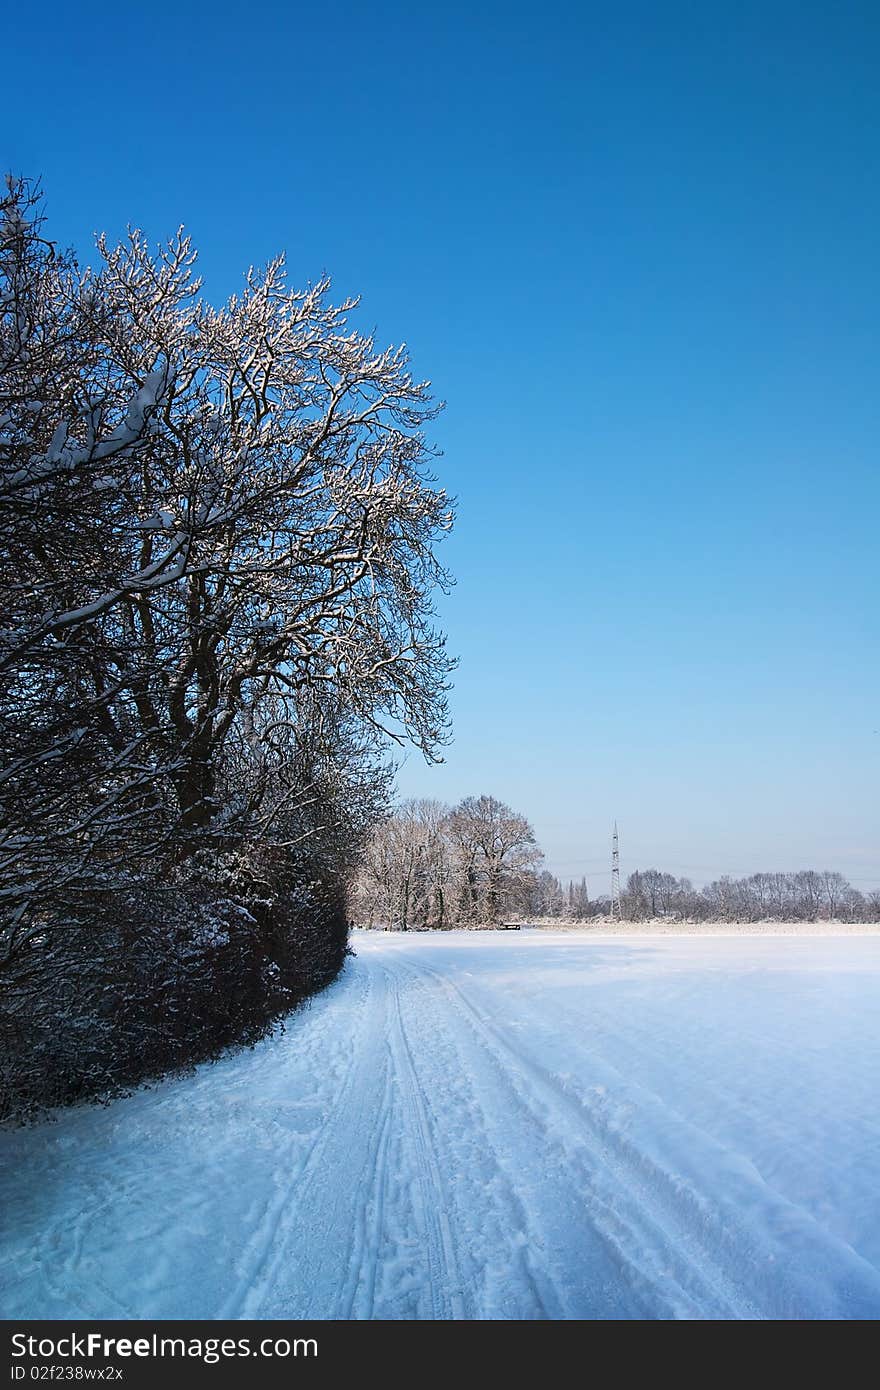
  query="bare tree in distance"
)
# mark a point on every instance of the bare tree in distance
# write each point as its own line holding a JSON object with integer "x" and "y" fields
{"x": 429, "y": 865}
{"x": 498, "y": 848}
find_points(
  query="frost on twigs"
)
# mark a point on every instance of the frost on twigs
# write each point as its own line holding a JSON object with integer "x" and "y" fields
{"x": 218, "y": 534}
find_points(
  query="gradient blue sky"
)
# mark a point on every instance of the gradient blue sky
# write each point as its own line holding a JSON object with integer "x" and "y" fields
{"x": 635, "y": 248}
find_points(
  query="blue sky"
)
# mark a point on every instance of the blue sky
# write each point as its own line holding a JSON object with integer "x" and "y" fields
{"x": 634, "y": 247}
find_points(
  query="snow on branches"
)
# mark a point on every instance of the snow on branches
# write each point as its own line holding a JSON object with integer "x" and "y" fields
{"x": 217, "y": 553}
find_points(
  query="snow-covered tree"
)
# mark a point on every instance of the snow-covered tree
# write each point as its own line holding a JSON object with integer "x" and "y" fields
{"x": 218, "y": 548}
{"x": 429, "y": 865}
{"x": 497, "y": 851}
{"x": 218, "y": 531}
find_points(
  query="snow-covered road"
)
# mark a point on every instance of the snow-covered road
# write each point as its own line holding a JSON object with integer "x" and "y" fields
{"x": 527, "y": 1125}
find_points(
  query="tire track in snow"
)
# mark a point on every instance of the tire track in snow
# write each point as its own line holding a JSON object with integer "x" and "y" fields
{"x": 501, "y": 1196}
{"x": 359, "y": 1299}
{"x": 408, "y": 1133}
{"x": 770, "y": 1252}
{"x": 761, "y": 1253}
{"x": 72, "y": 1253}
{"x": 648, "y": 1242}
{"x": 269, "y": 1246}
{"x": 444, "y": 1274}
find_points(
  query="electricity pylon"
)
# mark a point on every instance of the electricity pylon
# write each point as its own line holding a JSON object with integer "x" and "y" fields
{"x": 615, "y": 876}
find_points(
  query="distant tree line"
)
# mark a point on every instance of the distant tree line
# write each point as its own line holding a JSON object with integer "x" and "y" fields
{"x": 809, "y": 895}
{"x": 429, "y": 865}
{"x": 217, "y": 551}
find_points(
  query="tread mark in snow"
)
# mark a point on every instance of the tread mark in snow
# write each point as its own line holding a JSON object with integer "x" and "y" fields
{"x": 639, "y": 1235}
{"x": 267, "y": 1249}
{"x": 445, "y": 1279}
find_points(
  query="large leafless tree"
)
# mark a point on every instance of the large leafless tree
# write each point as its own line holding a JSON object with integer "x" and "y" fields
{"x": 431, "y": 865}
{"x": 217, "y": 540}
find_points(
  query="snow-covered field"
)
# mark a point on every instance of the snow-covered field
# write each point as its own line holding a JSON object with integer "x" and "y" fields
{"x": 526, "y": 1125}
